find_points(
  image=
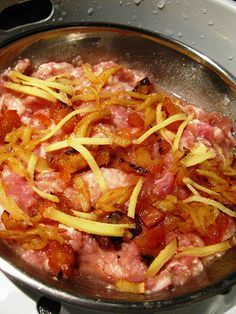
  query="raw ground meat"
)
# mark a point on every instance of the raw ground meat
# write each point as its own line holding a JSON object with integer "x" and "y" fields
{"x": 114, "y": 178}
{"x": 160, "y": 180}
{"x": 125, "y": 263}
{"x": 20, "y": 191}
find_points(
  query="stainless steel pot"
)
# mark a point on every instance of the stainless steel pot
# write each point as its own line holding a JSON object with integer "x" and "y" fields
{"x": 175, "y": 67}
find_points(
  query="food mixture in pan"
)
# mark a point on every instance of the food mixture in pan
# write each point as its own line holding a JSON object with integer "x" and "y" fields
{"x": 104, "y": 174}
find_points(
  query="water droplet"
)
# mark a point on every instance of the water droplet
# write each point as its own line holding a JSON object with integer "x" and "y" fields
{"x": 204, "y": 11}
{"x": 120, "y": 2}
{"x": 60, "y": 18}
{"x": 185, "y": 16}
{"x": 210, "y": 23}
{"x": 128, "y": 4}
{"x": 56, "y": 7}
{"x": 193, "y": 43}
{"x": 178, "y": 1}
{"x": 90, "y": 11}
{"x": 180, "y": 34}
{"x": 95, "y": 1}
{"x": 134, "y": 17}
{"x": 161, "y": 4}
{"x": 202, "y": 36}
{"x": 155, "y": 11}
{"x": 169, "y": 32}
{"x": 63, "y": 13}
{"x": 138, "y": 2}
{"x": 231, "y": 58}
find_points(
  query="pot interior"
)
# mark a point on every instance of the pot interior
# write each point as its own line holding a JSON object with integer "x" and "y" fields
{"x": 176, "y": 69}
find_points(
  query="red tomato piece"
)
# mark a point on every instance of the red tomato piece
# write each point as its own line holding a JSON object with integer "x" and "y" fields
{"x": 58, "y": 111}
{"x": 217, "y": 230}
{"x": 151, "y": 216}
{"x": 151, "y": 241}
{"x": 135, "y": 121}
{"x": 171, "y": 109}
{"x": 8, "y": 121}
{"x": 60, "y": 258}
{"x": 43, "y": 119}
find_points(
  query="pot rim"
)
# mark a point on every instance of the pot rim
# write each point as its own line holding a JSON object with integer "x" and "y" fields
{"x": 16, "y": 274}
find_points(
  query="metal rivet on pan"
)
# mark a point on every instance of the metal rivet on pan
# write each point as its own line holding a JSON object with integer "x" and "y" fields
{"x": 48, "y": 306}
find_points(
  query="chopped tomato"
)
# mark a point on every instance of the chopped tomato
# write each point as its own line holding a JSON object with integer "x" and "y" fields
{"x": 164, "y": 146}
{"x": 151, "y": 216}
{"x": 126, "y": 133}
{"x": 58, "y": 111}
{"x": 67, "y": 163}
{"x": 216, "y": 231}
{"x": 103, "y": 157}
{"x": 8, "y": 121}
{"x": 60, "y": 258}
{"x": 134, "y": 120}
{"x": 65, "y": 204}
{"x": 157, "y": 168}
{"x": 171, "y": 109}
{"x": 43, "y": 119}
{"x": 151, "y": 241}
{"x": 12, "y": 224}
{"x": 180, "y": 175}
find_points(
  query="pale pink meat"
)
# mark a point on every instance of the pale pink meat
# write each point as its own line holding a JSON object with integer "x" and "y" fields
{"x": 50, "y": 182}
{"x": 71, "y": 193}
{"x": 183, "y": 269}
{"x": 186, "y": 240}
{"x": 34, "y": 104}
{"x": 111, "y": 265}
{"x": 37, "y": 259}
{"x": 98, "y": 68}
{"x": 127, "y": 264}
{"x": 211, "y": 127}
{"x": 23, "y": 65}
{"x": 12, "y": 102}
{"x": 164, "y": 182}
{"x": 47, "y": 70}
{"x": 178, "y": 271}
{"x": 114, "y": 178}
{"x": 164, "y": 185}
{"x": 124, "y": 79}
{"x": 21, "y": 192}
{"x": 120, "y": 116}
{"x": 230, "y": 229}
{"x": 72, "y": 237}
{"x": 159, "y": 282}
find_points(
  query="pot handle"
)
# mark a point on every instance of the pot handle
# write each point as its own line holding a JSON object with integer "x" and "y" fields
{"x": 21, "y": 16}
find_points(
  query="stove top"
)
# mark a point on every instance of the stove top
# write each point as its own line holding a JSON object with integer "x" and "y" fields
{"x": 15, "y": 301}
